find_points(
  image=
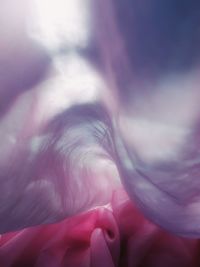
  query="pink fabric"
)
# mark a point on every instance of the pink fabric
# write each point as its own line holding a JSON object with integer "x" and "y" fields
{"x": 115, "y": 236}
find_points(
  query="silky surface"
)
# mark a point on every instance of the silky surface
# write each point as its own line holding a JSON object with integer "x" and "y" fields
{"x": 114, "y": 236}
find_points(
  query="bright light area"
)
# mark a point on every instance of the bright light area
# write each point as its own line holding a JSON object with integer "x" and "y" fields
{"x": 61, "y": 22}
{"x": 154, "y": 141}
{"x": 64, "y": 24}
{"x": 76, "y": 82}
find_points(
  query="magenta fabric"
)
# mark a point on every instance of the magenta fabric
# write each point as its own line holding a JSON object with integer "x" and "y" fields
{"x": 113, "y": 236}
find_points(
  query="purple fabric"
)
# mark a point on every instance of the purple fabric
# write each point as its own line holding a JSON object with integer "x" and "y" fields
{"x": 144, "y": 133}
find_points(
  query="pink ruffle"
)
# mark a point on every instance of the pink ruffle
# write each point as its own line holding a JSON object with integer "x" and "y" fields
{"x": 115, "y": 236}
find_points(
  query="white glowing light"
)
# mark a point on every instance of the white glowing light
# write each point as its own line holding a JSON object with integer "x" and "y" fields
{"x": 61, "y": 22}
{"x": 153, "y": 140}
{"x": 76, "y": 82}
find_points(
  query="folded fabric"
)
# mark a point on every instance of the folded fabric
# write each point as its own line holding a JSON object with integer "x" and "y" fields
{"x": 116, "y": 235}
